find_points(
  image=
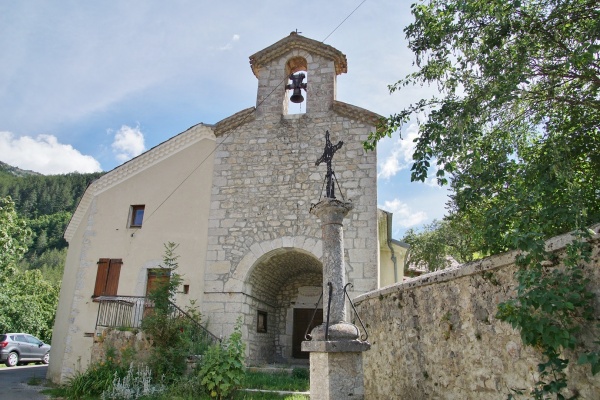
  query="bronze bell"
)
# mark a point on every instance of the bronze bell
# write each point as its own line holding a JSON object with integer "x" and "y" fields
{"x": 297, "y": 96}
{"x": 296, "y": 85}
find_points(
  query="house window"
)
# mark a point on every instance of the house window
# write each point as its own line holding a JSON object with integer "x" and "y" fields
{"x": 137, "y": 216}
{"x": 261, "y": 321}
{"x": 107, "y": 277}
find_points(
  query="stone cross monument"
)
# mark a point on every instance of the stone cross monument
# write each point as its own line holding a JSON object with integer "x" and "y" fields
{"x": 335, "y": 348}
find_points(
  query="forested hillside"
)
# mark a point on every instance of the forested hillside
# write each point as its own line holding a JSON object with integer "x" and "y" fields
{"x": 46, "y": 203}
{"x": 34, "y": 212}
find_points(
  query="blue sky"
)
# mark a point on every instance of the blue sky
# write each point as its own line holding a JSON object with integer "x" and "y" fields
{"x": 85, "y": 86}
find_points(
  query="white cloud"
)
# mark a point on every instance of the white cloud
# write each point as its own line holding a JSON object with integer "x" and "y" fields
{"x": 44, "y": 154}
{"x": 401, "y": 155}
{"x": 229, "y": 45}
{"x": 128, "y": 143}
{"x": 404, "y": 216}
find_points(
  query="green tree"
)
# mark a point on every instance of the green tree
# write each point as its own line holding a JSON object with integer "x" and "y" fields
{"x": 51, "y": 264}
{"x": 431, "y": 246}
{"x": 515, "y": 131}
{"x": 14, "y": 235}
{"x": 170, "y": 346}
{"x": 28, "y": 303}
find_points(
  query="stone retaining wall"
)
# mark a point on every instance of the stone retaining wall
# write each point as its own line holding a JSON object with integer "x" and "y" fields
{"x": 436, "y": 336}
{"x": 126, "y": 346}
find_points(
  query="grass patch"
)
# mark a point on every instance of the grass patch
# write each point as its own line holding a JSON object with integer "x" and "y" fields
{"x": 240, "y": 395}
{"x": 296, "y": 382}
{"x": 35, "y": 381}
{"x": 59, "y": 392}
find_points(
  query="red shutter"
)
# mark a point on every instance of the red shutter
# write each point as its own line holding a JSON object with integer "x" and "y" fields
{"x": 112, "y": 281}
{"x": 101, "y": 277}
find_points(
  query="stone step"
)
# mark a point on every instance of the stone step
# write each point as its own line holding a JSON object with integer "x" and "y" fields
{"x": 277, "y": 368}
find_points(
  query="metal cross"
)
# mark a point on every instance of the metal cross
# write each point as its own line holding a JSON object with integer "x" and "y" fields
{"x": 326, "y": 158}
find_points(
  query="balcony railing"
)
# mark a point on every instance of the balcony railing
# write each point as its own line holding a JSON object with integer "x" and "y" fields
{"x": 128, "y": 312}
{"x": 121, "y": 311}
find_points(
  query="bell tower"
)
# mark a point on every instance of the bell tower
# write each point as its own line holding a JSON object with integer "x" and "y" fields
{"x": 279, "y": 69}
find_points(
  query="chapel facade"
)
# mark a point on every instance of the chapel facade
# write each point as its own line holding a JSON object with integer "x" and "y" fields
{"x": 235, "y": 197}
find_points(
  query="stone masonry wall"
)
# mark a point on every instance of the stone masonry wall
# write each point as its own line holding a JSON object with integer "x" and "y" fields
{"x": 265, "y": 180}
{"x": 436, "y": 336}
{"x": 132, "y": 345}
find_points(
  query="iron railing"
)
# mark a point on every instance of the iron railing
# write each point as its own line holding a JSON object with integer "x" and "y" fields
{"x": 121, "y": 311}
{"x": 128, "y": 312}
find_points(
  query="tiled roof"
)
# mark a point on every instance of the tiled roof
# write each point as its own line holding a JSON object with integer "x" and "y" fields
{"x": 234, "y": 121}
{"x": 295, "y": 41}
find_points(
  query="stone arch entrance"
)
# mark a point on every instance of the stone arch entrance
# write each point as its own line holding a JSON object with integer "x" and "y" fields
{"x": 281, "y": 282}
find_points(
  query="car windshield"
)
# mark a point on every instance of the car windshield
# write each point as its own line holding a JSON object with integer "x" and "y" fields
{"x": 2, "y": 338}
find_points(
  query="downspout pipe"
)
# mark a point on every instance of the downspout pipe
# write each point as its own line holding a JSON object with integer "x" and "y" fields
{"x": 389, "y": 243}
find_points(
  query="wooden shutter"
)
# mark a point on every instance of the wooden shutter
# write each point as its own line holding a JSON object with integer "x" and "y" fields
{"x": 112, "y": 280}
{"x": 101, "y": 277}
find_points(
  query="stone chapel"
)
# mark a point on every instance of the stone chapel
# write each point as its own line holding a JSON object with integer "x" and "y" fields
{"x": 235, "y": 197}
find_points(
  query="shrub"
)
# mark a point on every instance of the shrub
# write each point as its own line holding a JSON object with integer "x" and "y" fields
{"x": 95, "y": 380}
{"x": 135, "y": 384}
{"x": 222, "y": 369}
{"x": 170, "y": 347}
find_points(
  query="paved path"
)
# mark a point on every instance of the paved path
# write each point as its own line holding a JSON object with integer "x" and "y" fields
{"x": 14, "y": 382}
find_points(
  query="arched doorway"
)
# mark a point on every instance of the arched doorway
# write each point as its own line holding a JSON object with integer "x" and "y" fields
{"x": 284, "y": 287}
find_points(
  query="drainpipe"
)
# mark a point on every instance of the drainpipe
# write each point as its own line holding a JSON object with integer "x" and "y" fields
{"x": 389, "y": 243}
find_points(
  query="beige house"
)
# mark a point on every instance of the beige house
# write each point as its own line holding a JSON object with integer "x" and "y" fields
{"x": 235, "y": 197}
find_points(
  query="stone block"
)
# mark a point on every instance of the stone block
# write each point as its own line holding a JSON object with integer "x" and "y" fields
{"x": 222, "y": 267}
{"x": 336, "y": 376}
{"x": 213, "y": 286}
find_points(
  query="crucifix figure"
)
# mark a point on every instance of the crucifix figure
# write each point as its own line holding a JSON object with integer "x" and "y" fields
{"x": 326, "y": 158}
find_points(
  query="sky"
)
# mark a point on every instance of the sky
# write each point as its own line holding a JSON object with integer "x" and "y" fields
{"x": 86, "y": 86}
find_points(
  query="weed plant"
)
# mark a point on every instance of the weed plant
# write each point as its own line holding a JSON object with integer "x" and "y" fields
{"x": 222, "y": 368}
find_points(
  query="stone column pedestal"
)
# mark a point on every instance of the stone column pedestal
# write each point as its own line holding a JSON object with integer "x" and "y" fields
{"x": 336, "y": 370}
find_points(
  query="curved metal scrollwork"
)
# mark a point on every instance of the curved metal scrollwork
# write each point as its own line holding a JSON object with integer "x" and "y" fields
{"x": 366, "y": 334}
{"x": 307, "y": 335}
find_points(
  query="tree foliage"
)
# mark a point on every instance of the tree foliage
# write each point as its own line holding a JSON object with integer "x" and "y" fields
{"x": 34, "y": 212}
{"x": 432, "y": 247}
{"x": 14, "y": 234}
{"x": 28, "y": 302}
{"x": 37, "y": 195}
{"x": 515, "y": 131}
{"x": 46, "y": 204}
{"x": 176, "y": 335}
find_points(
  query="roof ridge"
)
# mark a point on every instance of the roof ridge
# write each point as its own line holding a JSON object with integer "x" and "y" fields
{"x": 295, "y": 41}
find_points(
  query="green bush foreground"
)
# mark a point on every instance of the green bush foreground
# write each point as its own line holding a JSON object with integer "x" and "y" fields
{"x": 89, "y": 386}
